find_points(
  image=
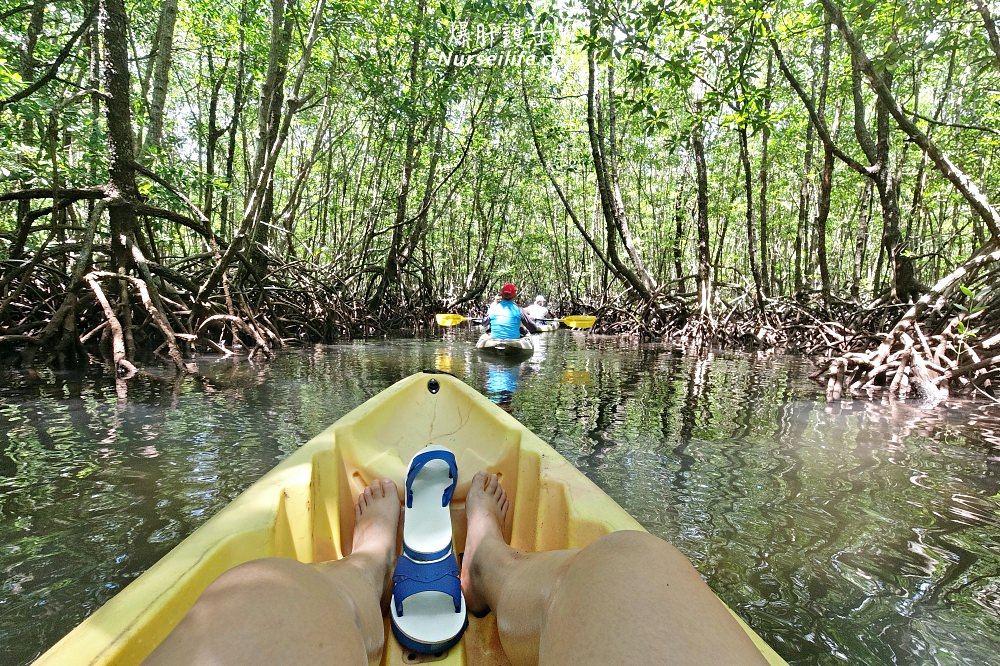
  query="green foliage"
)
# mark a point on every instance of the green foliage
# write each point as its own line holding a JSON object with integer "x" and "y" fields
{"x": 338, "y": 177}
{"x": 971, "y": 310}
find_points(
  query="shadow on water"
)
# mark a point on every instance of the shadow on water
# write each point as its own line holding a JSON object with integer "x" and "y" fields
{"x": 858, "y": 533}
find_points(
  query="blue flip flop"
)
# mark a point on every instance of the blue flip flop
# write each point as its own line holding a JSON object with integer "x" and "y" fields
{"x": 430, "y": 484}
{"x": 428, "y": 610}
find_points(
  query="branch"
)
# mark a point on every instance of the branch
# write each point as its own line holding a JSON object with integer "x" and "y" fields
{"x": 60, "y": 194}
{"x": 818, "y": 123}
{"x": 555, "y": 184}
{"x": 158, "y": 319}
{"x": 991, "y": 29}
{"x": 18, "y": 339}
{"x": 941, "y": 123}
{"x": 83, "y": 259}
{"x": 164, "y": 214}
{"x": 963, "y": 183}
{"x": 14, "y": 10}
{"x": 121, "y": 363}
{"x": 56, "y": 64}
{"x": 966, "y": 369}
{"x": 174, "y": 277}
{"x": 987, "y": 254}
{"x": 167, "y": 186}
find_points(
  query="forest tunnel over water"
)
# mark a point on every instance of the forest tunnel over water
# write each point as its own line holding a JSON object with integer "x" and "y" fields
{"x": 181, "y": 178}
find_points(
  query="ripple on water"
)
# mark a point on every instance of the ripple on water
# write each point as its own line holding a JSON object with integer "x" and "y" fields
{"x": 856, "y": 533}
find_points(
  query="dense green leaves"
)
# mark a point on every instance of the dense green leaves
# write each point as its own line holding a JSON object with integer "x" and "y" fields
{"x": 428, "y": 93}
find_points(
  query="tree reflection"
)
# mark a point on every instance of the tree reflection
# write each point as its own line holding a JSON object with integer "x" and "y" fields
{"x": 857, "y": 529}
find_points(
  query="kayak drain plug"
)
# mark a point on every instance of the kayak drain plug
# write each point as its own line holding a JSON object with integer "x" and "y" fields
{"x": 433, "y": 386}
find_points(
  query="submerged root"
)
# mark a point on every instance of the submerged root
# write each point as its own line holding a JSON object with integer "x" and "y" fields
{"x": 936, "y": 348}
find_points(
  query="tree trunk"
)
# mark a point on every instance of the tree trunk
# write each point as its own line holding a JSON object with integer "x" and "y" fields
{"x": 611, "y": 205}
{"x": 826, "y": 177}
{"x": 991, "y": 30}
{"x": 567, "y": 206}
{"x": 861, "y": 240}
{"x": 751, "y": 223}
{"x": 679, "y": 215}
{"x": 121, "y": 153}
{"x": 704, "y": 258}
{"x": 390, "y": 269}
{"x": 256, "y": 217}
{"x": 234, "y": 123}
{"x": 881, "y": 174}
{"x": 614, "y": 181}
{"x": 27, "y": 72}
{"x": 765, "y": 137}
{"x": 161, "y": 74}
{"x": 272, "y": 98}
{"x": 214, "y": 134}
{"x": 822, "y": 216}
{"x": 801, "y": 227}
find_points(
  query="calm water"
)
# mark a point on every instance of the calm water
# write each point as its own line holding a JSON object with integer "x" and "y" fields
{"x": 860, "y": 533}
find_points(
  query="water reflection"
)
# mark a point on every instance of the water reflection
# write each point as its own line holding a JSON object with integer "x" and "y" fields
{"x": 502, "y": 380}
{"x": 858, "y": 532}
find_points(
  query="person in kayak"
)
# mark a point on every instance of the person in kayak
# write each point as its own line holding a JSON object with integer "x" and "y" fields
{"x": 539, "y": 309}
{"x": 629, "y": 597}
{"x": 506, "y": 318}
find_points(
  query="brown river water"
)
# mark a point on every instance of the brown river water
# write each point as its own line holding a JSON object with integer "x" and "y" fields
{"x": 856, "y": 533}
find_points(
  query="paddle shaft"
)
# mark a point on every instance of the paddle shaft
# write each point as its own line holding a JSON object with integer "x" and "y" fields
{"x": 573, "y": 321}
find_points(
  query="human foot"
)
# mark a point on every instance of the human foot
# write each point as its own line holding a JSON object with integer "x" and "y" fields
{"x": 486, "y": 508}
{"x": 376, "y": 521}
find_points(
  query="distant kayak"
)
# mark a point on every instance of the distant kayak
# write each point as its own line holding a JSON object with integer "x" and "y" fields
{"x": 514, "y": 347}
{"x": 304, "y": 509}
{"x": 547, "y": 325}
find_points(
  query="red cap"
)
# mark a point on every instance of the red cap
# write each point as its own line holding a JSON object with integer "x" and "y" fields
{"x": 508, "y": 290}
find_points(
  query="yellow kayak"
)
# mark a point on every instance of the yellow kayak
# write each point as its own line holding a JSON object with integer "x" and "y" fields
{"x": 510, "y": 348}
{"x": 547, "y": 325}
{"x": 304, "y": 509}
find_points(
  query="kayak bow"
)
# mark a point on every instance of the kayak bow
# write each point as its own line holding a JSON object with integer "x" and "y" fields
{"x": 304, "y": 509}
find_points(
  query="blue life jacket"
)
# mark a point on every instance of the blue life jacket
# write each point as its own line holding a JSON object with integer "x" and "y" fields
{"x": 505, "y": 320}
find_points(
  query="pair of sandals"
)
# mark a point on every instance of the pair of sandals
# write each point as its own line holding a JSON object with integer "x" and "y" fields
{"x": 427, "y": 610}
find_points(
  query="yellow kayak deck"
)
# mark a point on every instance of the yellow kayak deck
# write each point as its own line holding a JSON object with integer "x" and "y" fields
{"x": 304, "y": 509}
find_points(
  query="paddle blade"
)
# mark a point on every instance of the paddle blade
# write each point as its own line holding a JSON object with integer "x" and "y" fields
{"x": 579, "y": 321}
{"x": 449, "y": 319}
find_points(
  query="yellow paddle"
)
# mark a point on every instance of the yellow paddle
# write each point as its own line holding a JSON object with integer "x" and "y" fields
{"x": 576, "y": 321}
{"x": 453, "y": 319}
{"x": 573, "y": 321}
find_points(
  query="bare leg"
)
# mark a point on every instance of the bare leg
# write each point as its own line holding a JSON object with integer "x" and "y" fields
{"x": 278, "y": 610}
{"x": 629, "y": 597}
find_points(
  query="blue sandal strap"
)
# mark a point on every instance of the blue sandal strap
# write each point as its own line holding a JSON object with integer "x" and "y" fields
{"x": 411, "y": 578}
{"x": 418, "y": 463}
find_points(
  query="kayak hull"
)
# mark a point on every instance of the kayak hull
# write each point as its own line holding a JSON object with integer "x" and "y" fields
{"x": 512, "y": 348}
{"x": 547, "y": 325}
{"x": 304, "y": 509}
